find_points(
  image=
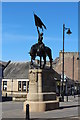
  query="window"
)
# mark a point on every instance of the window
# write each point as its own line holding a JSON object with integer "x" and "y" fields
{"x": 23, "y": 85}
{"x": 19, "y": 85}
{"x": 5, "y": 85}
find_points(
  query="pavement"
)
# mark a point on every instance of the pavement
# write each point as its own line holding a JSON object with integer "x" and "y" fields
{"x": 67, "y": 111}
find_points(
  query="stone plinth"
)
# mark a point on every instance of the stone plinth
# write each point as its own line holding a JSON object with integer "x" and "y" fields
{"x": 42, "y": 88}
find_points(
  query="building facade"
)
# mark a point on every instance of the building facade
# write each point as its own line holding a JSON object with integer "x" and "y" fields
{"x": 71, "y": 69}
{"x": 15, "y": 80}
{"x": 15, "y": 77}
{"x": 70, "y": 64}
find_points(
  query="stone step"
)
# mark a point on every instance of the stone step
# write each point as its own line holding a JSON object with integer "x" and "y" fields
{"x": 41, "y": 106}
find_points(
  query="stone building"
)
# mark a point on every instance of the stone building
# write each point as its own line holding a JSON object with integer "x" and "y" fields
{"x": 3, "y": 65}
{"x": 70, "y": 64}
{"x": 15, "y": 77}
{"x": 71, "y": 67}
{"x": 0, "y": 82}
{"x": 15, "y": 80}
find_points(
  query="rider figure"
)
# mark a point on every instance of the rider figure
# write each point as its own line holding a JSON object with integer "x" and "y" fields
{"x": 40, "y": 37}
{"x": 40, "y": 43}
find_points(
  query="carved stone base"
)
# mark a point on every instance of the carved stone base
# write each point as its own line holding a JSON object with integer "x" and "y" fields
{"x": 37, "y": 106}
{"x": 42, "y": 88}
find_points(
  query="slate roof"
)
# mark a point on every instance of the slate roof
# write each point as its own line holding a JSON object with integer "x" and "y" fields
{"x": 0, "y": 72}
{"x": 56, "y": 60}
{"x": 16, "y": 70}
{"x": 3, "y": 65}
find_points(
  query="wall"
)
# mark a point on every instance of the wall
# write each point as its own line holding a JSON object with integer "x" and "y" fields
{"x": 12, "y": 87}
{"x": 0, "y": 83}
{"x": 70, "y": 65}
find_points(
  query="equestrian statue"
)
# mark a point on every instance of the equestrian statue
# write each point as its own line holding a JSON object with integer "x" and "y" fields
{"x": 39, "y": 49}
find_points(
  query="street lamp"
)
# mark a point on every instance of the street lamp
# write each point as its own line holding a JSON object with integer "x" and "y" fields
{"x": 68, "y": 32}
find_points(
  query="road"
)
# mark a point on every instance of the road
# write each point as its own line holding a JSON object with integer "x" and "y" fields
{"x": 68, "y": 110}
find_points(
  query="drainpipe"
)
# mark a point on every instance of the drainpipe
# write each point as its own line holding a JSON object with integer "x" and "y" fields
{"x": 73, "y": 76}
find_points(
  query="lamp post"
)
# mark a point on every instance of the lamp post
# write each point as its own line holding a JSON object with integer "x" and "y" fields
{"x": 68, "y": 32}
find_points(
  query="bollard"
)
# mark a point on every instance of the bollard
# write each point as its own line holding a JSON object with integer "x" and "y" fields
{"x": 67, "y": 98}
{"x": 6, "y": 95}
{"x": 27, "y": 112}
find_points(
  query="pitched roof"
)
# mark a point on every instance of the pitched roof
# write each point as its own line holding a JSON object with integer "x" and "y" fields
{"x": 3, "y": 65}
{"x": 56, "y": 60}
{"x": 16, "y": 70}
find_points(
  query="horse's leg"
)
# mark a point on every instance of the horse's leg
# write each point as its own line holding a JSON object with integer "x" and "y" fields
{"x": 50, "y": 62}
{"x": 50, "y": 58}
{"x": 31, "y": 61}
{"x": 31, "y": 64}
{"x": 44, "y": 58}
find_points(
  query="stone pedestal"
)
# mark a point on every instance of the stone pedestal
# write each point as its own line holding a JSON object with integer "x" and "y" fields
{"x": 42, "y": 88}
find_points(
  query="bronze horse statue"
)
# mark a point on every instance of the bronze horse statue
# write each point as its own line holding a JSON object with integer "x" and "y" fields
{"x": 42, "y": 51}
